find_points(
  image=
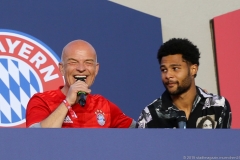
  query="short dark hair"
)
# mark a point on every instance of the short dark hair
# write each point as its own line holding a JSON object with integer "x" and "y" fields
{"x": 187, "y": 49}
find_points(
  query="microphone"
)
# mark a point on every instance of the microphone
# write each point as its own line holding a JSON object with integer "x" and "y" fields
{"x": 83, "y": 96}
{"x": 181, "y": 119}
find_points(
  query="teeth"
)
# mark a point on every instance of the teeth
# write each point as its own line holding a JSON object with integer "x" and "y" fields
{"x": 80, "y": 76}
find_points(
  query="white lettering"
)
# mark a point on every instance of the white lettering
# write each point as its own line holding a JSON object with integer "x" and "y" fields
{"x": 2, "y": 49}
{"x": 48, "y": 76}
{"x": 39, "y": 58}
{"x": 24, "y": 50}
{"x": 11, "y": 45}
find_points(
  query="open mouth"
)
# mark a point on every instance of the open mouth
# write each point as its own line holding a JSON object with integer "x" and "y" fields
{"x": 81, "y": 78}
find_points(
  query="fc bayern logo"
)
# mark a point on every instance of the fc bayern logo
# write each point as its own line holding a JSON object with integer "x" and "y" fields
{"x": 27, "y": 66}
{"x": 100, "y": 117}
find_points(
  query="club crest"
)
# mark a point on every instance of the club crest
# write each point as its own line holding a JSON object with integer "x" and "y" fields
{"x": 27, "y": 66}
{"x": 100, "y": 117}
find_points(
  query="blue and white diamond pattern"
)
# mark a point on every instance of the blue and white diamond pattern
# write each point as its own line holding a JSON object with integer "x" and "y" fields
{"x": 18, "y": 82}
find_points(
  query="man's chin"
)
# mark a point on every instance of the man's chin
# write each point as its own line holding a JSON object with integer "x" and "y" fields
{"x": 173, "y": 92}
{"x": 177, "y": 92}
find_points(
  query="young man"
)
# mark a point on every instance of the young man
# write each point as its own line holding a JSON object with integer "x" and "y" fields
{"x": 183, "y": 104}
{"x": 61, "y": 108}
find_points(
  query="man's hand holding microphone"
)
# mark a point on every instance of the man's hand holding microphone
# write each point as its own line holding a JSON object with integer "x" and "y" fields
{"x": 78, "y": 91}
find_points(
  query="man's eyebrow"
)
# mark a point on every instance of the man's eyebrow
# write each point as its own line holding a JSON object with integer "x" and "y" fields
{"x": 171, "y": 65}
{"x": 86, "y": 60}
{"x": 71, "y": 59}
{"x": 89, "y": 60}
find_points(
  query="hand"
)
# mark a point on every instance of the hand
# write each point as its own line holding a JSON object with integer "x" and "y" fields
{"x": 72, "y": 97}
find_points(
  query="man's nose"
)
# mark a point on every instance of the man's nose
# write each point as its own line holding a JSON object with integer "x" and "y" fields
{"x": 168, "y": 74}
{"x": 81, "y": 67}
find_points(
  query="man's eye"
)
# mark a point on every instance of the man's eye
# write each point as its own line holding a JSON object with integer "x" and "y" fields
{"x": 163, "y": 70}
{"x": 72, "y": 62}
{"x": 175, "y": 68}
{"x": 89, "y": 63}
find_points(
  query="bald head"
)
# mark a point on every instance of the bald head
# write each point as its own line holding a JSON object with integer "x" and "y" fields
{"x": 78, "y": 59}
{"x": 78, "y": 46}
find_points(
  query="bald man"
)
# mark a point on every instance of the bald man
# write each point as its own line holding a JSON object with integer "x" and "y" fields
{"x": 61, "y": 107}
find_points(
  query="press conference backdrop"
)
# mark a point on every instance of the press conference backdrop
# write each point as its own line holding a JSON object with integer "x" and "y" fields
{"x": 32, "y": 37}
{"x": 33, "y": 33}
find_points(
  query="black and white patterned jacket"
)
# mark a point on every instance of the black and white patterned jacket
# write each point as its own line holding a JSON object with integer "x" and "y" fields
{"x": 208, "y": 111}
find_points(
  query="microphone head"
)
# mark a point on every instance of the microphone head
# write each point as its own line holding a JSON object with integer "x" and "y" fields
{"x": 81, "y": 78}
{"x": 181, "y": 116}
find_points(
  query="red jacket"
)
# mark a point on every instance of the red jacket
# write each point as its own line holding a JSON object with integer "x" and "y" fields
{"x": 98, "y": 112}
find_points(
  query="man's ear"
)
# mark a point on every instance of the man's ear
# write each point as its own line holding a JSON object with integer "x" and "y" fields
{"x": 97, "y": 69}
{"x": 60, "y": 67}
{"x": 194, "y": 69}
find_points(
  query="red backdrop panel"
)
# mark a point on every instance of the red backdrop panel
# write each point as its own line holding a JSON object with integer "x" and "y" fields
{"x": 227, "y": 44}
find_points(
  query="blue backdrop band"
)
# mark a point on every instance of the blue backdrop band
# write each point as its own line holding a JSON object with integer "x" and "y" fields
{"x": 119, "y": 144}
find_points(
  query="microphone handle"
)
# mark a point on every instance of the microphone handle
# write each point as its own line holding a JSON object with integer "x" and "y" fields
{"x": 181, "y": 120}
{"x": 82, "y": 100}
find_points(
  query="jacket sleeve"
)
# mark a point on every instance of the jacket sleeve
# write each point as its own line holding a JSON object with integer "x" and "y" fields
{"x": 144, "y": 118}
{"x": 227, "y": 115}
{"x": 37, "y": 110}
